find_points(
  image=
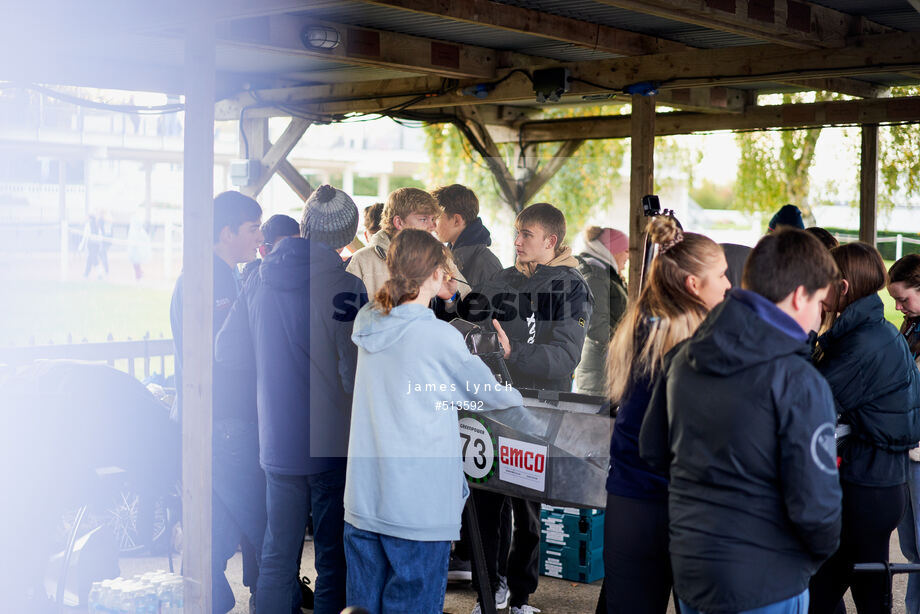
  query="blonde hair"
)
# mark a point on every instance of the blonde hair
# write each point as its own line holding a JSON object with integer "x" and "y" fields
{"x": 666, "y": 312}
{"x": 413, "y": 256}
{"x": 403, "y": 202}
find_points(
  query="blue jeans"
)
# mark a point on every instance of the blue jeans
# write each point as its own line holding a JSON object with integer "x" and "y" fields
{"x": 389, "y": 575}
{"x": 238, "y": 505}
{"x": 793, "y": 605}
{"x": 289, "y": 499}
{"x": 908, "y": 531}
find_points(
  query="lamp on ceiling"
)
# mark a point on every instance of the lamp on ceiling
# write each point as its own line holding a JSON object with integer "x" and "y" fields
{"x": 320, "y": 37}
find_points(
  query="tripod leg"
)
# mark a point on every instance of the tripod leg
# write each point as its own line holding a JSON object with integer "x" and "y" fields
{"x": 486, "y": 596}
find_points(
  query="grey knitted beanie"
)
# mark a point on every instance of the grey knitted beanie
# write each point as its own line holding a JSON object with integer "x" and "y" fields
{"x": 329, "y": 216}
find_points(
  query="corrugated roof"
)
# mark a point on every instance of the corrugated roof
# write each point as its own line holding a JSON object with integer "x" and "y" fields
{"x": 897, "y": 14}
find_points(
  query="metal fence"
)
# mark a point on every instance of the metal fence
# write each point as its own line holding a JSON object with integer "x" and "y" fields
{"x": 138, "y": 358}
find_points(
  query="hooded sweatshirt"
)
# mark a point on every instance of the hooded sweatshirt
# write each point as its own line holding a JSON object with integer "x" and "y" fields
{"x": 293, "y": 325}
{"x": 544, "y": 309}
{"x": 472, "y": 254}
{"x": 405, "y": 471}
{"x": 745, "y": 424}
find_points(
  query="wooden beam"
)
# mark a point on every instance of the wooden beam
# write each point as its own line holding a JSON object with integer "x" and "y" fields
{"x": 549, "y": 169}
{"x": 795, "y": 23}
{"x": 812, "y": 115}
{"x": 675, "y": 71}
{"x": 868, "y": 184}
{"x": 574, "y": 31}
{"x": 556, "y": 27}
{"x": 268, "y": 163}
{"x": 367, "y": 47}
{"x": 197, "y": 308}
{"x": 641, "y": 181}
{"x": 295, "y": 180}
{"x": 475, "y": 132}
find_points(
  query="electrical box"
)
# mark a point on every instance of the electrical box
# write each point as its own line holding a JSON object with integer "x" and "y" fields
{"x": 244, "y": 172}
{"x": 551, "y": 83}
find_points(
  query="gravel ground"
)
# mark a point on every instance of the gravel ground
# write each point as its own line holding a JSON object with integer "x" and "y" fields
{"x": 552, "y": 597}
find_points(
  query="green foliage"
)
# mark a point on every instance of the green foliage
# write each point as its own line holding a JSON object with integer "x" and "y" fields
{"x": 366, "y": 186}
{"x": 899, "y": 165}
{"x": 713, "y": 196}
{"x": 584, "y": 182}
{"x": 404, "y": 181}
{"x": 774, "y": 165}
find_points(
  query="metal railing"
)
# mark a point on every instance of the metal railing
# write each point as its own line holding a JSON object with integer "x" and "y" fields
{"x": 123, "y": 355}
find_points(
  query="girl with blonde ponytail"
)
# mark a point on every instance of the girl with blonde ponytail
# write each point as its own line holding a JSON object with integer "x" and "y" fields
{"x": 687, "y": 279}
{"x": 404, "y": 487}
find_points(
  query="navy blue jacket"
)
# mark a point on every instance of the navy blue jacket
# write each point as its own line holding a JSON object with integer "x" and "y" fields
{"x": 745, "y": 424}
{"x": 293, "y": 326}
{"x": 233, "y": 391}
{"x": 876, "y": 388}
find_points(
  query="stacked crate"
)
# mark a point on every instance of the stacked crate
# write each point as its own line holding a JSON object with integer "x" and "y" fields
{"x": 572, "y": 543}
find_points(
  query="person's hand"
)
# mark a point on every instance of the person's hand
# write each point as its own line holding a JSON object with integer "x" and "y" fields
{"x": 502, "y": 339}
{"x": 448, "y": 287}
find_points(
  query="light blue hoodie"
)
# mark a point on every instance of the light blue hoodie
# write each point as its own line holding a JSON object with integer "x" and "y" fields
{"x": 405, "y": 471}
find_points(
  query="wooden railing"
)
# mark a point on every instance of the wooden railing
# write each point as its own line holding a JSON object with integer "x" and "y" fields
{"x": 124, "y": 355}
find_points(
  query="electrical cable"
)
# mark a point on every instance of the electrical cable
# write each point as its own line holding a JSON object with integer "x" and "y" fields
{"x": 165, "y": 109}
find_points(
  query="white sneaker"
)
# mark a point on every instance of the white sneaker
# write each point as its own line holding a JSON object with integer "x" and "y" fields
{"x": 501, "y": 594}
{"x": 501, "y": 597}
{"x": 524, "y": 609}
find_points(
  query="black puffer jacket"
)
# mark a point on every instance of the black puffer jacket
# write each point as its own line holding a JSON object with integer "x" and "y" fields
{"x": 544, "y": 315}
{"x": 876, "y": 388}
{"x": 746, "y": 425}
{"x": 473, "y": 256}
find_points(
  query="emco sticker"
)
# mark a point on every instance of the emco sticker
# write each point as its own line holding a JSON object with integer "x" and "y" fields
{"x": 522, "y": 463}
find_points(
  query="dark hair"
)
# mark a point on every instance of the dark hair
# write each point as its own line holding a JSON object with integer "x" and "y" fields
{"x": 863, "y": 268}
{"x": 549, "y": 217}
{"x": 278, "y": 227}
{"x": 786, "y": 259}
{"x": 458, "y": 199}
{"x": 829, "y": 240}
{"x": 372, "y": 214}
{"x": 413, "y": 256}
{"x": 906, "y": 271}
{"x": 232, "y": 209}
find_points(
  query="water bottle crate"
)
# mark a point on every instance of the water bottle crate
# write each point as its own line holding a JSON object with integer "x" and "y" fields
{"x": 578, "y": 564}
{"x": 572, "y": 530}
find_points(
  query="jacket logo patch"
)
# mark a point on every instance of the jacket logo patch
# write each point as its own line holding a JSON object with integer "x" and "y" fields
{"x": 581, "y": 322}
{"x": 531, "y": 328}
{"x": 824, "y": 448}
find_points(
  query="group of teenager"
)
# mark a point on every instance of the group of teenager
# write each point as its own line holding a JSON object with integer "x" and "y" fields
{"x": 337, "y": 382}
{"x": 762, "y": 445}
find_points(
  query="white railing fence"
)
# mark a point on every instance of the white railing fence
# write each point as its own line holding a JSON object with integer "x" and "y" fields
{"x": 898, "y": 240}
{"x": 139, "y": 358}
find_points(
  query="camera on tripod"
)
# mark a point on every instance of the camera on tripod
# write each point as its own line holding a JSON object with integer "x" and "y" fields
{"x": 651, "y": 207}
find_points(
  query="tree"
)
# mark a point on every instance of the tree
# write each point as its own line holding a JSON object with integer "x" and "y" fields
{"x": 774, "y": 166}
{"x": 587, "y": 181}
{"x": 899, "y": 165}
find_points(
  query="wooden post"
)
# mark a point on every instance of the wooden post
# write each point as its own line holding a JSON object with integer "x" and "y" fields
{"x": 62, "y": 214}
{"x": 868, "y": 184}
{"x": 197, "y": 313}
{"x": 641, "y": 181}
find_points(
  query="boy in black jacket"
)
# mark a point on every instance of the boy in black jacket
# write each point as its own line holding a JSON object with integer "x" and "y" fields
{"x": 539, "y": 308}
{"x": 745, "y": 424}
